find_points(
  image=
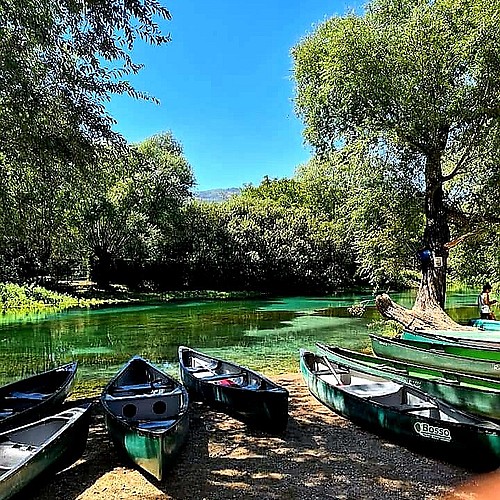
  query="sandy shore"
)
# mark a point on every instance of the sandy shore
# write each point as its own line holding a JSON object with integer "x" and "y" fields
{"x": 321, "y": 456}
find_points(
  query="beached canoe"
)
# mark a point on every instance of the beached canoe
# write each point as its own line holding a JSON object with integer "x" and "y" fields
{"x": 406, "y": 350}
{"x": 457, "y": 348}
{"x": 33, "y": 397}
{"x": 429, "y": 337}
{"x": 465, "y": 335}
{"x": 471, "y": 393}
{"x": 146, "y": 413}
{"x": 46, "y": 445}
{"x": 403, "y": 414}
{"x": 236, "y": 390}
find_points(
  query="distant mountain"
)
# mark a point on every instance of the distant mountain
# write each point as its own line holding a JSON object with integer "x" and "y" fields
{"x": 216, "y": 195}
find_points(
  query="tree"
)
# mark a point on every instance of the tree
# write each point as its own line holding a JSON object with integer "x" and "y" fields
{"x": 133, "y": 204}
{"x": 377, "y": 212}
{"x": 417, "y": 78}
{"x": 60, "y": 61}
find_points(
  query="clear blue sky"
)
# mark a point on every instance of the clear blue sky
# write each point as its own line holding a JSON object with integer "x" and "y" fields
{"x": 225, "y": 87}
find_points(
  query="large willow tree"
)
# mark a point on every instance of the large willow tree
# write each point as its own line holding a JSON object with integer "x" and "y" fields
{"x": 418, "y": 78}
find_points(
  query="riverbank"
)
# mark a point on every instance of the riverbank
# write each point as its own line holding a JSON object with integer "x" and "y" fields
{"x": 21, "y": 299}
{"x": 320, "y": 456}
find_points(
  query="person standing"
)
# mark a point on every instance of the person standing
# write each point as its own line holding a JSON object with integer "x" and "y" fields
{"x": 485, "y": 302}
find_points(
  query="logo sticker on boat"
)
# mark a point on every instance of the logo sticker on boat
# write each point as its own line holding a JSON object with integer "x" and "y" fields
{"x": 432, "y": 432}
{"x": 414, "y": 383}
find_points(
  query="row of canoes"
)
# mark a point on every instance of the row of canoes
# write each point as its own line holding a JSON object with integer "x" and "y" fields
{"x": 146, "y": 413}
{"x": 146, "y": 410}
{"x": 436, "y": 391}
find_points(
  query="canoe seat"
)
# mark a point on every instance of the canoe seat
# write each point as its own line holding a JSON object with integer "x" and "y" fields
{"x": 139, "y": 389}
{"x": 222, "y": 376}
{"x": 6, "y": 413}
{"x": 28, "y": 395}
{"x": 195, "y": 369}
{"x": 156, "y": 424}
{"x": 202, "y": 373}
{"x": 412, "y": 408}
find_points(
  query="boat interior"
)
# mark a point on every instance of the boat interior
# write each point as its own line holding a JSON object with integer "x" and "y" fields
{"x": 220, "y": 373}
{"x": 19, "y": 445}
{"x": 148, "y": 409}
{"x": 381, "y": 391}
{"x": 16, "y": 402}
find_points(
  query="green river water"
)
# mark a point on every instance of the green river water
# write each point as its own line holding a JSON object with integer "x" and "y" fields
{"x": 263, "y": 334}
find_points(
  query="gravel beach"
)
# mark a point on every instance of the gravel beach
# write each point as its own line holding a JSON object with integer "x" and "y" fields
{"x": 321, "y": 456}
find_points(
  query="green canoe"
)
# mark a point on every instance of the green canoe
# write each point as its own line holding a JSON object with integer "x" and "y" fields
{"x": 478, "y": 395}
{"x": 460, "y": 347}
{"x": 41, "y": 448}
{"x": 465, "y": 335}
{"x": 403, "y": 414}
{"x": 428, "y": 356}
{"x": 465, "y": 349}
{"x": 146, "y": 414}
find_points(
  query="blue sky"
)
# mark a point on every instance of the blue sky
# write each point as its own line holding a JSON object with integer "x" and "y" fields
{"x": 225, "y": 87}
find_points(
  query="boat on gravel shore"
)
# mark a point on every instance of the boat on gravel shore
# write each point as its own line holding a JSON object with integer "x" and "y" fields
{"x": 236, "y": 390}
{"x": 403, "y": 413}
{"x": 474, "y": 394}
{"x": 477, "y": 345}
{"x": 475, "y": 335}
{"x": 146, "y": 413}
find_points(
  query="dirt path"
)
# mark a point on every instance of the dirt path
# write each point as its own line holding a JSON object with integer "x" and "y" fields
{"x": 321, "y": 456}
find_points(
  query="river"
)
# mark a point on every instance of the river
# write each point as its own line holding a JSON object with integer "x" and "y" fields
{"x": 262, "y": 334}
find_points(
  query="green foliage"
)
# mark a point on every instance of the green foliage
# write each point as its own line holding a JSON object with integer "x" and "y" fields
{"x": 419, "y": 82}
{"x": 17, "y": 297}
{"x": 60, "y": 61}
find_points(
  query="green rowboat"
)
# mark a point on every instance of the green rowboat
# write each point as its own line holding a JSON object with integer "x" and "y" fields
{"x": 455, "y": 348}
{"x": 433, "y": 338}
{"x": 147, "y": 417}
{"x": 408, "y": 351}
{"x": 474, "y": 394}
{"x": 465, "y": 335}
{"x": 41, "y": 447}
{"x": 403, "y": 414}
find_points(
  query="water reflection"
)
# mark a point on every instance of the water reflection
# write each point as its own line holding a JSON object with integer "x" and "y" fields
{"x": 263, "y": 334}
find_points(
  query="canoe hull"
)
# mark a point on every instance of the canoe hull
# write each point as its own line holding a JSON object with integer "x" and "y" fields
{"x": 263, "y": 408}
{"x": 458, "y": 347}
{"x": 486, "y": 324}
{"x": 475, "y": 447}
{"x": 395, "y": 349}
{"x": 61, "y": 451}
{"x": 153, "y": 452}
{"x": 477, "y": 395}
{"x": 54, "y": 385}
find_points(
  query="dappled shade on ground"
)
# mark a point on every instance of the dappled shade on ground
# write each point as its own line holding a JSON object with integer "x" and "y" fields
{"x": 319, "y": 456}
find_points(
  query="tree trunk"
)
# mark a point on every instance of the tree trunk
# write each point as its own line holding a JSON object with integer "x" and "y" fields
{"x": 416, "y": 319}
{"x": 428, "y": 310}
{"x": 432, "y": 290}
